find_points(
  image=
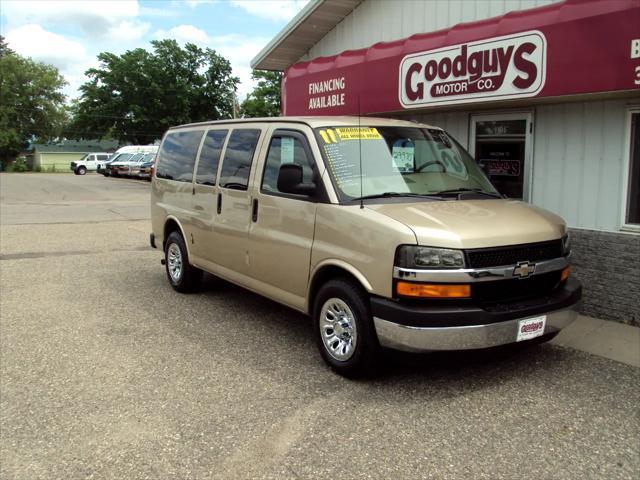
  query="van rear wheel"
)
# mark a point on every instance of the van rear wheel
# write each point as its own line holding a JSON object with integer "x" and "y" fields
{"x": 182, "y": 276}
{"x": 344, "y": 328}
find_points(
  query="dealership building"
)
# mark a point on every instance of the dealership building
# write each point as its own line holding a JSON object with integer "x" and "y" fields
{"x": 544, "y": 94}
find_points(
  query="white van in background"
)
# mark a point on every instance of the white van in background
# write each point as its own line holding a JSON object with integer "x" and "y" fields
{"x": 125, "y": 153}
{"x": 89, "y": 163}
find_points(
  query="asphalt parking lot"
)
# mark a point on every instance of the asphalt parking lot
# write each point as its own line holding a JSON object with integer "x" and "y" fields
{"x": 106, "y": 372}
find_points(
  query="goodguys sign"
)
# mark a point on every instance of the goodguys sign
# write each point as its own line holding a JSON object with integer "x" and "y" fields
{"x": 512, "y": 66}
{"x": 569, "y": 48}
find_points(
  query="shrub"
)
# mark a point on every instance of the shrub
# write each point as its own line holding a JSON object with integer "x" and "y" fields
{"x": 19, "y": 165}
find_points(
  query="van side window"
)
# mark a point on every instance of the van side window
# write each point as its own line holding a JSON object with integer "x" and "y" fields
{"x": 177, "y": 155}
{"x": 210, "y": 156}
{"x": 238, "y": 156}
{"x": 285, "y": 149}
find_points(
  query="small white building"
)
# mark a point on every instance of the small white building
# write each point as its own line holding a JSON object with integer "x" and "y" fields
{"x": 545, "y": 94}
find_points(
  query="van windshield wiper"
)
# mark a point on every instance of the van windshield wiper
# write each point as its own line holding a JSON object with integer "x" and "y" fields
{"x": 455, "y": 191}
{"x": 397, "y": 194}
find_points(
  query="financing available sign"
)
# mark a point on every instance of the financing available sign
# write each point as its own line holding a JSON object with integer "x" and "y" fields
{"x": 499, "y": 68}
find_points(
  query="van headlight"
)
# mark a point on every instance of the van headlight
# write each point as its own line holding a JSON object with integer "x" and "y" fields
{"x": 566, "y": 245}
{"x": 411, "y": 256}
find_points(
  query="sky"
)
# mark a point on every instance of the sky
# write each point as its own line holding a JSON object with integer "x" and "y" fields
{"x": 69, "y": 34}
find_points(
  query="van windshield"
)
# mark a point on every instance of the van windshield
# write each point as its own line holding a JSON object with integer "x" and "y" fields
{"x": 123, "y": 157}
{"x": 399, "y": 161}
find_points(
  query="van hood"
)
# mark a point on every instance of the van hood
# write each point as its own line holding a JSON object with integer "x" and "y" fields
{"x": 475, "y": 223}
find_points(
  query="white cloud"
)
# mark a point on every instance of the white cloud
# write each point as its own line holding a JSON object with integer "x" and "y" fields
{"x": 67, "y": 55}
{"x": 184, "y": 34}
{"x": 127, "y": 31}
{"x": 95, "y": 17}
{"x": 239, "y": 50}
{"x": 33, "y": 41}
{"x": 271, "y": 9}
{"x": 195, "y": 3}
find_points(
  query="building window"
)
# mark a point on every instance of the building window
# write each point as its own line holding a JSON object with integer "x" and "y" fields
{"x": 633, "y": 187}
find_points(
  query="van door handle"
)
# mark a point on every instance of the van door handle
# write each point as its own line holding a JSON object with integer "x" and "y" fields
{"x": 219, "y": 203}
{"x": 254, "y": 210}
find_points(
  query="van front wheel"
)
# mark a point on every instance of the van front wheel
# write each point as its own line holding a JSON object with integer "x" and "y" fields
{"x": 344, "y": 328}
{"x": 182, "y": 276}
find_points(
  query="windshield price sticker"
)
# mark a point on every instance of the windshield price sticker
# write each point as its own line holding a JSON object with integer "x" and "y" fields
{"x": 403, "y": 159}
{"x": 286, "y": 150}
{"x": 346, "y": 173}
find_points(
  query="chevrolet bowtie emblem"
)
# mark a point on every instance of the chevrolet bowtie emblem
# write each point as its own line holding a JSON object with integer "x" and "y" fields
{"x": 524, "y": 269}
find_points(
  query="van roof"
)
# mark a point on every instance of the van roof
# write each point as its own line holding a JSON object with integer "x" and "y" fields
{"x": 137, "y": 148}
{"x": 315, "y": 122}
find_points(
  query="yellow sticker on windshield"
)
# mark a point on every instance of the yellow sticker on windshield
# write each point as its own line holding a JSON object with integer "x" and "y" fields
{"x": 358, "y": 133}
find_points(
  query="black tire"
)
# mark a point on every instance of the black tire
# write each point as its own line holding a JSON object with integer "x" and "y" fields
{"x": 367, "y": 351}
{"x": 105, "y": 173}
{"x": 189, "y": 279}
{"x": 81, "y": 171}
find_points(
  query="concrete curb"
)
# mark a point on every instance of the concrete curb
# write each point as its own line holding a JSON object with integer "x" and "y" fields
{"x": 604, "y": 338}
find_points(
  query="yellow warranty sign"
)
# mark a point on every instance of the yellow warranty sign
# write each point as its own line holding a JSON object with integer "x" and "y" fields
{"x": 358, "y": 133}
{"x": 349, "y": 133}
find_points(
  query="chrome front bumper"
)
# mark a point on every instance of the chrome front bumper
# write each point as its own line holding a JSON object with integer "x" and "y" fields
{"x": 425, "y": 339}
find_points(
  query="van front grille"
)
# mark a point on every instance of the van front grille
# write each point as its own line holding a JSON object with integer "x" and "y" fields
{"x": 499, "y": 256}
{"x": 502, "y": 291}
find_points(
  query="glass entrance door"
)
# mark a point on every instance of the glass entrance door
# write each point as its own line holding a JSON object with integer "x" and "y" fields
{"x": 501, "y": 144}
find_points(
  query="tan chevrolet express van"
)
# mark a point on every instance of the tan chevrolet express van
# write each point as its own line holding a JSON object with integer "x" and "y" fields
{"x": 385, "y": 232}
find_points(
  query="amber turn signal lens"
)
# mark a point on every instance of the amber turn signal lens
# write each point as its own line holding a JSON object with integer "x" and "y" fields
{"x": 432, "y": 291}
{"x": 565, "y": 273}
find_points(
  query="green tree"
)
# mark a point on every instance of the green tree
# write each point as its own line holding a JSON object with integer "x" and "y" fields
{"x": 136, "y": 96}
{"x": 31, "y": 102}
{"x": 264, "y": 100}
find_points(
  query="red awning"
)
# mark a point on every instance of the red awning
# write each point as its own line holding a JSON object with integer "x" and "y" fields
{"x": 570, "y": 48}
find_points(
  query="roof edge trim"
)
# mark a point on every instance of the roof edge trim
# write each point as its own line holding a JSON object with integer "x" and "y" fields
{"x": 300, "y": 17}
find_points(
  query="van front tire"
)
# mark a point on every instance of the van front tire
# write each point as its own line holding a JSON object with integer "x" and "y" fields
{"x": 182, "y": 276}
{"x": 81, "y": 171}
{"x": 344, "y": 330}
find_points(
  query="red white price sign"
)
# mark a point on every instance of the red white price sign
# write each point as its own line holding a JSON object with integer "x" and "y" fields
{"x": 531, "y": 328}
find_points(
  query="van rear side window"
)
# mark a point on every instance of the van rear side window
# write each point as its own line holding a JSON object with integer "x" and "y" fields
{"x": 210, "y": 156}
{"x": 238, "y": 157}
{"x": 177, "y": 156}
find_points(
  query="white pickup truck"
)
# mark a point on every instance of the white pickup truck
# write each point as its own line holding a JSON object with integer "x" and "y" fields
{"x": 89, "y": 163}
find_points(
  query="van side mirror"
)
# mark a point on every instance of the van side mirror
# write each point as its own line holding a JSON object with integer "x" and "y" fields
{"x": 290, "y": 181}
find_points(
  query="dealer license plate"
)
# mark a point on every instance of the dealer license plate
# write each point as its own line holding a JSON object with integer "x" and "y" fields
{"x": 531, "y": 328}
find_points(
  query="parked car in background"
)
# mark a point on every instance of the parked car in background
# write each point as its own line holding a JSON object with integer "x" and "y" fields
{"x": 121, "y": 168}
{"x": 145, "y": 162}
{"x": 89, "y": 163}
{"x": 146, "y": 170}
{"x": 119, "y": 156}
